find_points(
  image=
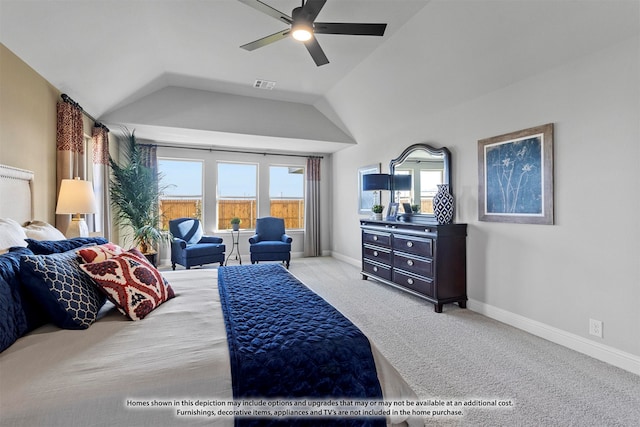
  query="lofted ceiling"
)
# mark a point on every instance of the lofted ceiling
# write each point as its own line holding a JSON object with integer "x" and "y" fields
{"x": 111, "y": 55}
{"x": 174, "y": 71}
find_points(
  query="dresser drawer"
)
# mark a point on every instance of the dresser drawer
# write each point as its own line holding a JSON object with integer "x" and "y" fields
{"x": 413, "y": 245}
{"x": 377, "y": 253}
{"x": 377, "y": 238}
{"x": 419, "y": 266}
{"x": 382, "y": 271}
{"x": 408, "y": 280}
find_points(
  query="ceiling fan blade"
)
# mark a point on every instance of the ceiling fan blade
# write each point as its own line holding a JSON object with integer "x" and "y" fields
{"x": 312, "y": 8}
{"x": 266, "y": 40}
{"x": 265, "y": 8}
{"x": 349, "y": 28}
{"x": 316, "y": 52}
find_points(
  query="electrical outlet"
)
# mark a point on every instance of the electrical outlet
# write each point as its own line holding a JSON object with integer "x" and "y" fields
{"x": 595, "y": 327}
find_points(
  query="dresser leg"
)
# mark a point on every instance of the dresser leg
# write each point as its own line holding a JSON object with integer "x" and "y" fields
{"x": 462, "y": 304}
{"x": 365, "y": 277}
{"x": 437, "y": 308}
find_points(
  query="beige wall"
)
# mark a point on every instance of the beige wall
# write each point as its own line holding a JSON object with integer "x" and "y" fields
{"x": 28, "y": 128}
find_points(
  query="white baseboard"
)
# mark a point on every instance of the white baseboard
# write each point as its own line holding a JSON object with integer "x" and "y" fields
{"x": 607, "y": 354}
{"x": 613, "y": 356}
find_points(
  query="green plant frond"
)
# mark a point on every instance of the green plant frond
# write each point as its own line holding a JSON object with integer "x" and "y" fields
{"x": 135, "y": 195}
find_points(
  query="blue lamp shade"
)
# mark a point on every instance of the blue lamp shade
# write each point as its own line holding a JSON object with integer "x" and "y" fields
{"x": 401, "y": 182}
{"x": 376, "y": 181}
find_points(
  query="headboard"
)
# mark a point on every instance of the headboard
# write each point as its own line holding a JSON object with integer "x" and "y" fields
{"x": 16, "y": 194}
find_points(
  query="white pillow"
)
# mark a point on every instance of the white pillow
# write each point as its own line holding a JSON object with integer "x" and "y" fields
{"x": 40, "y": 230}
{"x": 11, "y": 234}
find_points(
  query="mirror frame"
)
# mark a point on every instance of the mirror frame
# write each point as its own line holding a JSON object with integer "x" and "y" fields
{"x": 446, "y": 172}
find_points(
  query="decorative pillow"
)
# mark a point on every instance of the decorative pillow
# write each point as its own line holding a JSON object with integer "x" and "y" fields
{"x": 62, "y": 289}
{"x": 131, "y": 283}
{"x": 48, "y": 247}
{"x": 11, "y": 235}
{"x": 12, "y": 320}
{"x": 39, "y": 230}
{"x": 99, "y": 253}
{"x": 18, "y": 312}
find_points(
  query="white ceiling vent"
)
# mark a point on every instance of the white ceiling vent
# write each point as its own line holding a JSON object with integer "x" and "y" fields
{"x": 264, "y": 84}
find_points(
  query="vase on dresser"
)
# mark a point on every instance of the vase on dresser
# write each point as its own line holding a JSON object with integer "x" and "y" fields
{"x": 443, "y": 204}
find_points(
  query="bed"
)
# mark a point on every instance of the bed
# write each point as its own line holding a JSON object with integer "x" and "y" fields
{"x": 135, "y": 373}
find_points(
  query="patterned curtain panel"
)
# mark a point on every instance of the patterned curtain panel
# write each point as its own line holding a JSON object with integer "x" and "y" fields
{"x": 312, "y": 245}
{"x": 70, "y": 150}
{"x": 102, "y": 218}
{"x": 149, "y": 157}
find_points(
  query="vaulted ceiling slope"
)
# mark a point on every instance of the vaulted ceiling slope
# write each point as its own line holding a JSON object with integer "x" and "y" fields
{"x": 174, "y": 69}
{"x": 175, "y": 72}
{"x": 454, "y": 52}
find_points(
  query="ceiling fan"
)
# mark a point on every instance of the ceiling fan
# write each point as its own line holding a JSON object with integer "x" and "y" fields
{"x": 303, "y": 27}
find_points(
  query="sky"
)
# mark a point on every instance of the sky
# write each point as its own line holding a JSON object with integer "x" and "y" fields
{"x": 235, "y": 179}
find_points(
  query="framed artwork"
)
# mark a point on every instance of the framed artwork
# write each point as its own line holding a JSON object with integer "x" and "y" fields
{"x": 366, "y": 198}
{"x": 515, "y": 177}
{"x": 393, "y": 212}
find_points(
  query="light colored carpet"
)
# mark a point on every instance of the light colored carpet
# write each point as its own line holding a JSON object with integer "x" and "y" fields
{"x": 461, "y": 355}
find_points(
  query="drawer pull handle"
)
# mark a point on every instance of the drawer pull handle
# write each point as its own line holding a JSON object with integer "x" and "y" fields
{"x": 410, "y": 244}
{"x": 409, "y": 262}
{"x": 375, "y": 237}
{"x": 410, "y": 281}
{"x": 375, "y": 253}
{"x": 375, "y": 268}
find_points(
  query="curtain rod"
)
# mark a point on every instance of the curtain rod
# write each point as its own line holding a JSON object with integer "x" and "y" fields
{"x": 67, "y": 98}
{"x": 226, "y": 150}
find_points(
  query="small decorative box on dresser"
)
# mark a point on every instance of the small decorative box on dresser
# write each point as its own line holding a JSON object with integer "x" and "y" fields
{"x": 424, "y": 259}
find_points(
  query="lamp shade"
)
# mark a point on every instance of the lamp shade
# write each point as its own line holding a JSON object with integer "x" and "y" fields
{"x": 376, "y": 181}
{"x": 76, "y": 197}
{"x": 401, "y": 182}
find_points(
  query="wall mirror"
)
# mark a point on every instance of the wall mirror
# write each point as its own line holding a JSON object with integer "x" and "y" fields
{"x": 428, "y": 167}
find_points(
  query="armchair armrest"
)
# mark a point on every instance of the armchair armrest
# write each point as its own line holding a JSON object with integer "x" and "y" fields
{"x": 286, "y": 238}
{"x": 254, "y": 239}
{"x": 178, "y": 243}
{"x": 210, "y": 239}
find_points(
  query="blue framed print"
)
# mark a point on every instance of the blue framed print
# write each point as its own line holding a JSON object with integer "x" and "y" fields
{"x": 515, "y": 173}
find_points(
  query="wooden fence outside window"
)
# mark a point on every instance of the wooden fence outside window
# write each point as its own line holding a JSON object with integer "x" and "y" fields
{"x": 292, "y": 210}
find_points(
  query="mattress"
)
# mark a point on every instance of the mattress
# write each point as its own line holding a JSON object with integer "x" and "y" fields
{"x": 136, "y": 373}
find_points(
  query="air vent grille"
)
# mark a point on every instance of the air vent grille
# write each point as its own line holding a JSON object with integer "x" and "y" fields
{"x": 264, "y": 84}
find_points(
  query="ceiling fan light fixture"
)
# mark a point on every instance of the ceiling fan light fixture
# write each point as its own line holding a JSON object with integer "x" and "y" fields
{"x": 302, "y": 31}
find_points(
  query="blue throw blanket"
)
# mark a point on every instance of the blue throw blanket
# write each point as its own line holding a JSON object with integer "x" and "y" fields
{"x": 285, "y": 341}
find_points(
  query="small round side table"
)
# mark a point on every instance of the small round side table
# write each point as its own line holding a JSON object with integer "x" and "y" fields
{"x": 235, "y": 239}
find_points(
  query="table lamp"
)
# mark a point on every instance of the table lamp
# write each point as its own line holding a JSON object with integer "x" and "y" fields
{"x": 375, "y": 182}
{"x": 76, "y": 197}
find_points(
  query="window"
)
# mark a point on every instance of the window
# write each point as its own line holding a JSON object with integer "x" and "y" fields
{"x": 286, "y": 195}
{"x": 237, "y": 194}
{"x": 182, "y": 182}
{"x": 404, "y": 196}
{"x": 429, "y": 180}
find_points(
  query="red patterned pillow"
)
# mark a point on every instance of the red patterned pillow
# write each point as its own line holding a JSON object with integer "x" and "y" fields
{"x": 131, "y": 283}
{"x": 99, "y": 253}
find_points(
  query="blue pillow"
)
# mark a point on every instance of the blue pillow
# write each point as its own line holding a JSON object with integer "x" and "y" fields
{"x": 62, "y": 289}
{"x": 13, "y": 322}
{"x": 18, "y": 314}
{"x": 47, "y": 247}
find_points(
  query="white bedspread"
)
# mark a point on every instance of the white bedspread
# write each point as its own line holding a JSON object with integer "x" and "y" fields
{"x": 55, "y": 377}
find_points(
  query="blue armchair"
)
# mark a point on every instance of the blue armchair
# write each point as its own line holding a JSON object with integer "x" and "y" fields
{"x": 271, "y": 242}
{"x": 191, "y": 247}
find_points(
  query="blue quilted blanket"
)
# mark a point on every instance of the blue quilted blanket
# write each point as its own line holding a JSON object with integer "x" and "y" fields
{"x": 285, "y": 341}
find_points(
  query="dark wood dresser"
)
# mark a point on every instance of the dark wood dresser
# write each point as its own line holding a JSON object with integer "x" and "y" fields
{"x": 426, "y": 260}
